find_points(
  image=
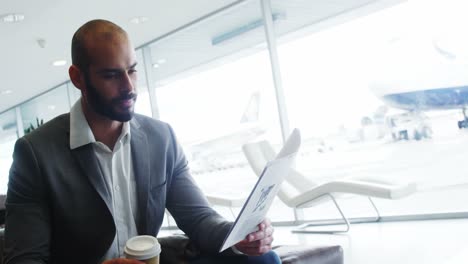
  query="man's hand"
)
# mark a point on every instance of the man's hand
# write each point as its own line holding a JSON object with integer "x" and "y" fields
{"x": 258, "y": 242}
{"x": 122, "y": 261}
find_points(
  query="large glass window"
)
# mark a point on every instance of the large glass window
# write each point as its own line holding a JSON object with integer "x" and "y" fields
{"x": 143, "y": 105}
{"x": 380, "y": 97}
{"x": 214, "y": 86}
{"x": 8, "y": 136}
{"x": 45, "y": 107}
{"x": 73, "y": 93}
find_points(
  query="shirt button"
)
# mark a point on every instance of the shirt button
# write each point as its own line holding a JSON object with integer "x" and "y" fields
{"x": 117, "y": 188}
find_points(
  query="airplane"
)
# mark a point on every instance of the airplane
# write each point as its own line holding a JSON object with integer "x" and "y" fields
{"x": 214, "y": 153}
{"x": 425, "y": 74}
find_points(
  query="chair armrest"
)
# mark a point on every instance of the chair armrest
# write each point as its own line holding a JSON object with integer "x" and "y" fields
{"x": 309, "y": 254}
{"x": 225, "y": 201}
{"x": 379, "y": 190}
{"x": 177, "y": 249}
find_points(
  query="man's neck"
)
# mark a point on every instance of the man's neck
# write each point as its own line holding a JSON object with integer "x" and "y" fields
{"x": 104, "y": 129}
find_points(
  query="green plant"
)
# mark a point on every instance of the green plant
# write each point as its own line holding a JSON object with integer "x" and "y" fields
{"x": 31, "y": 126}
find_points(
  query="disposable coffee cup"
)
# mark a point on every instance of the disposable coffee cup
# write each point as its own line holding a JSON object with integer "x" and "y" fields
{"x": 143, "y": 248}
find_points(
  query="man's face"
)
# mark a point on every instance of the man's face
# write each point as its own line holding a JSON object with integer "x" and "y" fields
{"x": 111, "y": 80}
{"x": 119, "y": 108}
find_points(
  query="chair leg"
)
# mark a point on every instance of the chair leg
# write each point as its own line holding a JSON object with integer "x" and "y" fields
{"x": 168, "y": 219}
{"x": 303, "y": 228}
{"x": 375, "y": 208}
{"x": 298, "y": 215}
{"x": 233, "y": 214}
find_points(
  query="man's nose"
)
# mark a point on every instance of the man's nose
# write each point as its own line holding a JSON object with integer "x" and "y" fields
{"x": 128, "y": 83}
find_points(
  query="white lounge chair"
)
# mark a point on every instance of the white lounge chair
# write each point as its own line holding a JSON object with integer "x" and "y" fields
{"x": 226, "y": 201}
{"x": 298, "y": 191}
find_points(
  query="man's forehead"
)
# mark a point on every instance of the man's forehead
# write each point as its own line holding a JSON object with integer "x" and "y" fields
{"x": 105, "y": 38}
{"x": 107, "y": 60}
{"x": 107, "y": 41}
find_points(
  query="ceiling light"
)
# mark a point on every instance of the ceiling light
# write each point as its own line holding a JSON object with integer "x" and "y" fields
{"x": 161, "y": 61}
{"x": 12, "y": 18}
{"x": 59, "y": 63}
{"x": 155, "y": 65}
{"x": 139, "y": 20}
{"x": 6, "y": 92}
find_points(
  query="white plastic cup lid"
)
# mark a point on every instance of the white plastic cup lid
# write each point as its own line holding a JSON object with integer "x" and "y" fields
{"x": 142, "y": 247}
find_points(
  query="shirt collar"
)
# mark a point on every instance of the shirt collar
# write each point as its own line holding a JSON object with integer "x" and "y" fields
{"x": 80, "y": 132}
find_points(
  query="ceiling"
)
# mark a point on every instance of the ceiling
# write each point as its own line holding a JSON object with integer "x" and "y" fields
{"x": 26, "y": 69}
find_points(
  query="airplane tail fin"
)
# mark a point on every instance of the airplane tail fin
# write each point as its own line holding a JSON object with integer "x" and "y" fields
{"x": 252, "y": 110}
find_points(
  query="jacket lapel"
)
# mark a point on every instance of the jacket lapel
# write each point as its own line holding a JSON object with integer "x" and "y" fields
{"x": 141, "y": 168}
{"x": 88, "y": 162}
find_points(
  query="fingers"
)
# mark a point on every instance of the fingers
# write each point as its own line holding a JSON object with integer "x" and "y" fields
{"x": 265, "y": 230}
{"x": 266, "y": 222}
{"x": 255, "y": 251}
{"x": 258, "y": 242}
{"x": 255, "y": 248}
{"x": 259, "y": 235}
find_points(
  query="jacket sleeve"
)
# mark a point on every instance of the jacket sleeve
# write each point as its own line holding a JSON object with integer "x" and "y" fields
{"x": 27, "y": 227}
{"x": 190, "y": 208}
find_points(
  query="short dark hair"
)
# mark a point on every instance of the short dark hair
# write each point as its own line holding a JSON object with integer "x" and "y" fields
{"x": 80, "y": 56}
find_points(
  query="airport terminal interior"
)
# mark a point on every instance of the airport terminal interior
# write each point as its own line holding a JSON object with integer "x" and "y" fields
{"x": 377, "y": 88}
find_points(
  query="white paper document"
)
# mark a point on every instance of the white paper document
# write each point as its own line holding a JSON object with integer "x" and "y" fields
{"x": 261, "y": 197}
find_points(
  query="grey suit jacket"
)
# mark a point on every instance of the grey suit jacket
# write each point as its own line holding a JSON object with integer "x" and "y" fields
{"x": 58, "y": 205}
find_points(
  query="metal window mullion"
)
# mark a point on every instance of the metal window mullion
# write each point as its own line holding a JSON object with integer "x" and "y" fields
{"x": 150, "y": 81}
{"x": 71, "y": 97}
{"x": 19, "y": 122}
{"x": 275, "y": 68}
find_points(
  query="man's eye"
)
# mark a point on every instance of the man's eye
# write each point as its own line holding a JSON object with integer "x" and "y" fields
{"x": 110, "y": 75}
{"x": 132, "y": 71}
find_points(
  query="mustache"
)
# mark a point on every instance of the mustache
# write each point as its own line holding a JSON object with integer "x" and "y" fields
{"x": 122, "y": 97}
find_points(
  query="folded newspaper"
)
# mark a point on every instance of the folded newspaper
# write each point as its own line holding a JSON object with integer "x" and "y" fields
{"x": 261, "y": 197}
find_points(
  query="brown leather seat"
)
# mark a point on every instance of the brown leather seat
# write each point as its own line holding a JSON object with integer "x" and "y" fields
{"x": 177, "y": 247}
{"x": 311, "y": 255}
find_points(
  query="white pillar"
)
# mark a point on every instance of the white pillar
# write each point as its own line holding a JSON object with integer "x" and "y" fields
{"x": 19, "y": 122}
{"x": 150, "y": 81}
{"x": 275, "y": 68}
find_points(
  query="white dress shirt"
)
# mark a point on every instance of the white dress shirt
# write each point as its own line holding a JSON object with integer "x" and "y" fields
{"x": 117, "y": 168}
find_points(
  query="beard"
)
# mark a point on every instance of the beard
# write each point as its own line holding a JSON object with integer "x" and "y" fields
{"x": 109, "y": 108}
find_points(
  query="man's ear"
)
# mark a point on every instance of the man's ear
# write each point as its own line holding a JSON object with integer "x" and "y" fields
{"x": 76, "y": 77}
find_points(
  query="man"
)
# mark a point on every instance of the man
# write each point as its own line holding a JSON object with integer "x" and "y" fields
{"x": 84, "y": 183}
